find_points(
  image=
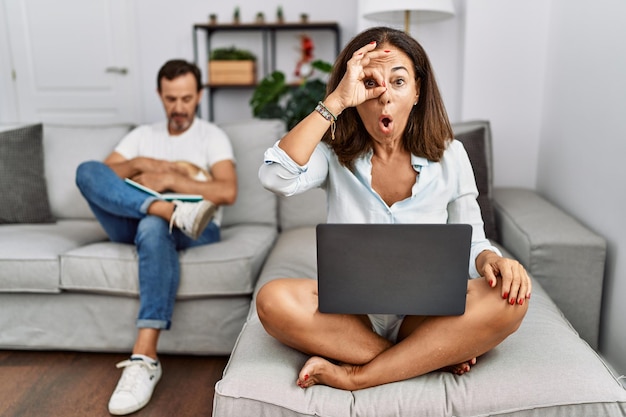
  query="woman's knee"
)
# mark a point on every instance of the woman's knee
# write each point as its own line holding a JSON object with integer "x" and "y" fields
{"x": 506, "y": 318}
{"x": 496, "y": 314}
{"x": 515, "y": 317}
{"x": 280, "y": 299}
{"x": 270, "y": 299}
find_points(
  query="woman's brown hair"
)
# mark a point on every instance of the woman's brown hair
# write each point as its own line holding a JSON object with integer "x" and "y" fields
{"x": 428, "y": 130}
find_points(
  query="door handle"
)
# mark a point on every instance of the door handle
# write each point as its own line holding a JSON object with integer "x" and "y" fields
{"x": 117, "y": 70}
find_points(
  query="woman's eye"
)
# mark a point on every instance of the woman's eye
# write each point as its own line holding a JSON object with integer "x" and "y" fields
{"x": 399, "y": 81}
{"x": 369, "y": 83}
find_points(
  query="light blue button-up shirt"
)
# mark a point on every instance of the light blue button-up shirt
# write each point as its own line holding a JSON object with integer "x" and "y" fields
{"x": 444, "y": 191}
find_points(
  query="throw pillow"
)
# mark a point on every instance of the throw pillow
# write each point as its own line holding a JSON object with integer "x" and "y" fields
{"x": 22, "y": 181}
{"x": 474, "y": 143}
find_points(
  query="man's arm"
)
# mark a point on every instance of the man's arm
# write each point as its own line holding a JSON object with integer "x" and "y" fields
{"x": 222, "y": 189}
{"x": 163, "y": 176}
{"x": 131, "y": 168}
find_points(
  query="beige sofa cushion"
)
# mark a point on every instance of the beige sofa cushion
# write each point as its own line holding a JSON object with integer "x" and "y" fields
{"x": 65, "y": 147}
{"x": 250, "y": 139}
{"x": 29, "y": 253}
{"x": 228, "y": 267}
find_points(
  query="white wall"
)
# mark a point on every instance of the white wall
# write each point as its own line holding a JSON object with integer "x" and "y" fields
{"x": 581, "y": 163}
{"x": 503, "y": 80}
{"x": 8, "y": 107}
{"x": 164, "y": 31}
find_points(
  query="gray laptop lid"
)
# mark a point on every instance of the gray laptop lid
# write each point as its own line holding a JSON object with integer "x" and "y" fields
{"x": 413, "y": 269}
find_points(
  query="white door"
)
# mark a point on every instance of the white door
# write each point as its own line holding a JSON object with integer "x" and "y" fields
{"x": 72, "y": 60}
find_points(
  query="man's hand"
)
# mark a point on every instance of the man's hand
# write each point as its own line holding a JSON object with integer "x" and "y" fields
{"x": 150, "y": 165}
{"x": 158, "y": 181}
{"x": 132, "y": 168}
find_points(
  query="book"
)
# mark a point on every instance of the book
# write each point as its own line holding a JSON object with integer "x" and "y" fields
{"x": 165, "y": 196}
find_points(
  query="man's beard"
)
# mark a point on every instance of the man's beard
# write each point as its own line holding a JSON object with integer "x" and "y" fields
{"x": 179, "y": 126}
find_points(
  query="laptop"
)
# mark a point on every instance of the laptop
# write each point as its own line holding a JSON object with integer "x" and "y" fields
{"x": 412, "y": 269}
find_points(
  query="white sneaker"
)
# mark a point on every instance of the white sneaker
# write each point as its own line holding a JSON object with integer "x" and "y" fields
{"x": 192, "y": 218}
{"x": 135, "y": 387}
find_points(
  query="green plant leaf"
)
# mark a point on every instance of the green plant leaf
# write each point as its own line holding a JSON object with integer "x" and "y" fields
{"x": 322, "y": 66}
{"x": 303, "y": 100}
{"x": 232, "y": 54}
{"x": 274, "y": 99}
{"x": 269, "y": 91}
{"x": 271, "y": 111}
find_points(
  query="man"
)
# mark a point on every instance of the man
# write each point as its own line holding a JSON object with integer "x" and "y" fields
{"x": 151, "y": 155}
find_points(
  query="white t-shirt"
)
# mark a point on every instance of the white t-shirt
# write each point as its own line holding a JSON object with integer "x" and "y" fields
{"x": 203, "y": 144}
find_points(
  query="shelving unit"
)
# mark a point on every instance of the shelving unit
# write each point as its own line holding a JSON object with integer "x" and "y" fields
{"x": 268, "y": 33}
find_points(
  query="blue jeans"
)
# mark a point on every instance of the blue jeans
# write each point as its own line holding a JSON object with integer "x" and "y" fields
{"x": 122, "y": 211}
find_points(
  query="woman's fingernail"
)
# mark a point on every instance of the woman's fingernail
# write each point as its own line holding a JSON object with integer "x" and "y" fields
{"x": 306, "y": 377}
{"x": 512, "y": 301}
{"x": 387, "y": 50}
{"x": 372, "y": 42}
{"x": 520, "y": 301}
{"x": 505, "y": 296}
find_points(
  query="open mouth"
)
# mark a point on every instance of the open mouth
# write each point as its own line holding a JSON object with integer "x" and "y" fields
{"x": 385, "y": 123}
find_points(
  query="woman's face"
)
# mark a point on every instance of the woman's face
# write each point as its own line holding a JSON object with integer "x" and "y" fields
{"x": 386, "y": 116}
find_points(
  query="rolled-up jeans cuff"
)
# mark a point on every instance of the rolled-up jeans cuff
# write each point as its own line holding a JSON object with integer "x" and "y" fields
{"x": 146, "y": 204}
{"x": 153, "y": 324}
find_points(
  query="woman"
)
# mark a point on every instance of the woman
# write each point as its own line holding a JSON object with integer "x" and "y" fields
{"x": 381, "y": 146}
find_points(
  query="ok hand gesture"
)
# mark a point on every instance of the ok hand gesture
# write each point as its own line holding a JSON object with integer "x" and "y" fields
{"x": 361, "y": 81}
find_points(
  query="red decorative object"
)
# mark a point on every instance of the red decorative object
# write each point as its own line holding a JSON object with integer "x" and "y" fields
{"x": 303, "y": 67}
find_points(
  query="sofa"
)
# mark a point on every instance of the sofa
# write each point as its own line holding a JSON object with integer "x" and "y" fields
{"x": 63, "y": 285}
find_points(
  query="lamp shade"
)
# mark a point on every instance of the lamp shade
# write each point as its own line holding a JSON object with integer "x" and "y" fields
{"x": 396, "y": 10}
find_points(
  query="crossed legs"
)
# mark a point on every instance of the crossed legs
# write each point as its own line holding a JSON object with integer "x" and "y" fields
{"x": 288, "y": 310}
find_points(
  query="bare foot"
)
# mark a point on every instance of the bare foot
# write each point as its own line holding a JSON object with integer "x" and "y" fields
{"x": 460, "y": 368}
{"x": 318, "y": 370}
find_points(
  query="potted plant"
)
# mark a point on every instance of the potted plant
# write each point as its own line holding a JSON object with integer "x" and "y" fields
{"x": 232, "y": 66}
{"x": 236, "y": 15}
{"x": 273, "y": 98}
{"x": 280, "y": 17}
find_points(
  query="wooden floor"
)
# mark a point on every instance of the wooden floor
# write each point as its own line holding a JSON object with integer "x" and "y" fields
{"x": 70, "y": 384}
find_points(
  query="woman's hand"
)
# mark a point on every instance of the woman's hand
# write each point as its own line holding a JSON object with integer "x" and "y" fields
{"x": 360, "y": 82}
{"x": 516, "y": 284}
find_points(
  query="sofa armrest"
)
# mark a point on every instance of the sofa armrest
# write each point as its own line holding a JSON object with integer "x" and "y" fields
{"x": 563, "y": 255}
